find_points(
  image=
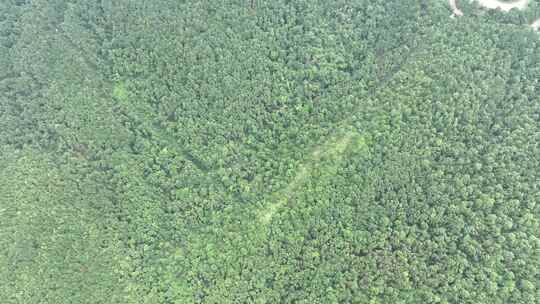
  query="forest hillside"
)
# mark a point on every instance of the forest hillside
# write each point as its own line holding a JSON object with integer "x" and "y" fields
{"x": 249, "y": 151}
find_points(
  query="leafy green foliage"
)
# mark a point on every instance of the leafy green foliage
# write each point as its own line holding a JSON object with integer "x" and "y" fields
{"x": 268, "y": 152}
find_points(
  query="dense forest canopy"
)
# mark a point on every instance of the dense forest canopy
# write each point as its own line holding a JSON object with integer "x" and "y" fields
{"x": 279, "y": 151}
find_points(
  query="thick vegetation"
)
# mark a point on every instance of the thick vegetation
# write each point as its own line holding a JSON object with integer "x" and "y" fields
{"x": 268, "y": 152}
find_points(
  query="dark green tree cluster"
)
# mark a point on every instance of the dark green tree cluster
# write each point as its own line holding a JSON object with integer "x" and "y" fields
{"x": 268, "y": 152}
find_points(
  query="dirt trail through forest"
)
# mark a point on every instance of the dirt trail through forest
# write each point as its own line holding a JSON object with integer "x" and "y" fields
{"x": 536, "y": 24}
{"x": 504, "y": 6}
{"x": 333, "y": 151}
{"x": 495, "y": 4}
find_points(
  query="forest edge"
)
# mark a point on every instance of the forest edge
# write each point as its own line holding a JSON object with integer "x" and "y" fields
{"x": 495, "y": 4}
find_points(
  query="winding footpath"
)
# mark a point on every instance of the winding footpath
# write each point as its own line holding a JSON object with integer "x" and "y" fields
{"x": 456, "y": 11}
{"x": 503, "y": 6}
{"x": 495, "y": 4}
{"x": 536, "y": 25}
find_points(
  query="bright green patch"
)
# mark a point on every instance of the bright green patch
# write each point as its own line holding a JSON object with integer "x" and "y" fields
{"x": 361, "y": 142}
{"x": 325, "y": 158}
{"x": 120, "y": 92}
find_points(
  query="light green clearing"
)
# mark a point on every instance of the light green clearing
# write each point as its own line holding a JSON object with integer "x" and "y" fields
{"x": 332, "y": 152}
{"x": 326, "y": 157}
{"x": 120, "y": 92}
